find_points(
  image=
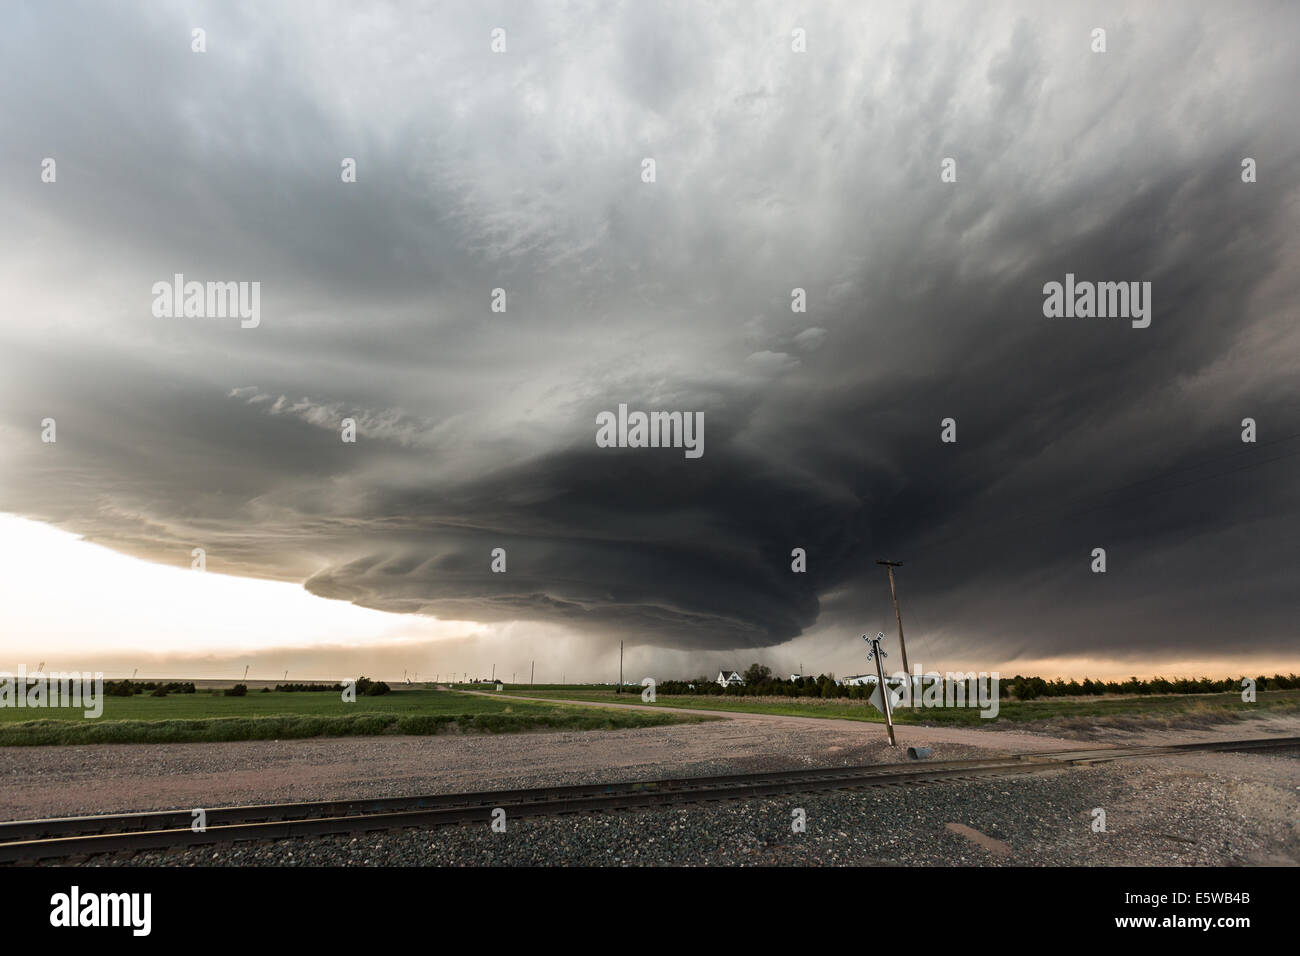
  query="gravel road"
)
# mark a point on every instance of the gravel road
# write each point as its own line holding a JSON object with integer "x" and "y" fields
{"x": 63, "y": 781}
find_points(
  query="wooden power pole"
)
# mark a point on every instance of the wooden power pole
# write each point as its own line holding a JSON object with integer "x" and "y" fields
{"x": 902, "y": 648}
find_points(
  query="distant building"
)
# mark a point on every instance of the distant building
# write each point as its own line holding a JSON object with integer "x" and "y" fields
{"x": 730, "y": 678}
{"x": 859, "y": 680}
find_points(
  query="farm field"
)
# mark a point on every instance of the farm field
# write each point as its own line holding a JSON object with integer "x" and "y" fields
{"x": 205, "y": 716}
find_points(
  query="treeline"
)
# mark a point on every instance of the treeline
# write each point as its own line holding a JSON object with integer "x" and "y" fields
{"x": 129, "y": 688}
{"x": 371, "y": 688}
{"x": 1031, "y": 688}
{"x": 759, "y": 682}
{"x": 366, "y": 686}
{"x": 821, "y": 686}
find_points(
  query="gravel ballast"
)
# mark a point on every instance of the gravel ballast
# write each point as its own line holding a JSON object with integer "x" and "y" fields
{"x": 1220, "y": 809}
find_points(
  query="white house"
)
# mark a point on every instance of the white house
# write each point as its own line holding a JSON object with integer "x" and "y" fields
{"x": 859, "y": 680}
{"x": 869, "y": 680}
{"x": 730, "y": 678}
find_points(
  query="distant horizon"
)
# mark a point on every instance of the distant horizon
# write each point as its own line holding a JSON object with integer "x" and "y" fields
{"x": 292, "y": 679}
{"x": 32, "y": 585}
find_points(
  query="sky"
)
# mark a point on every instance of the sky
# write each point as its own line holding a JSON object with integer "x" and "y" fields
{"x": 523, "y": 170}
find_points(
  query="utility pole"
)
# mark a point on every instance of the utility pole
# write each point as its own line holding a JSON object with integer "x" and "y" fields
{"x": 620, "y": 667}
{"x": 877, "y": 654}
{"x": 494, "y": 673}
{"x": 532, "y": 672}
{"x": 246, "y": 667}
{"x": 902, "y": 648}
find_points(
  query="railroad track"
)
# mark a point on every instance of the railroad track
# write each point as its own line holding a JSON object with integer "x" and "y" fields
{"x": 61, "y": 837}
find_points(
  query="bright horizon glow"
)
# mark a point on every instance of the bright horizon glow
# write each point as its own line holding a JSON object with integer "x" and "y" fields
{"x": 65, "y": 598}
{"x": 77, "y": 605}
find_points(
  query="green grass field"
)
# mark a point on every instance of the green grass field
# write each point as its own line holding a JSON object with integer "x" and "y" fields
{"x": 203, "y": 716}
{"x": 1156, "y": 711}
{"x": 207, "y": 716}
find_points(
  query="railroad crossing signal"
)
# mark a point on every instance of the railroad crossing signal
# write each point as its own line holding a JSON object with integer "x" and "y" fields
{"x": 876, "y": 654}
{"x": 894, "y": 697}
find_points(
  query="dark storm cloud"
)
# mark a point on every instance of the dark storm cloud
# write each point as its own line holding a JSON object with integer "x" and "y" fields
{"x": 819, "y": 171}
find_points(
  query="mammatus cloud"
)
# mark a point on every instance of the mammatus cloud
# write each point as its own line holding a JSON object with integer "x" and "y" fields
{"x": 784, "y": 181}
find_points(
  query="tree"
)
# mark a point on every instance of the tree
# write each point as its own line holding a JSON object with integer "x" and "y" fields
{"x": 757, "y": 673}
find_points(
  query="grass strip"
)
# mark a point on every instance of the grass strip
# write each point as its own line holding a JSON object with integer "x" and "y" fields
{"x": 36, "y": 733}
